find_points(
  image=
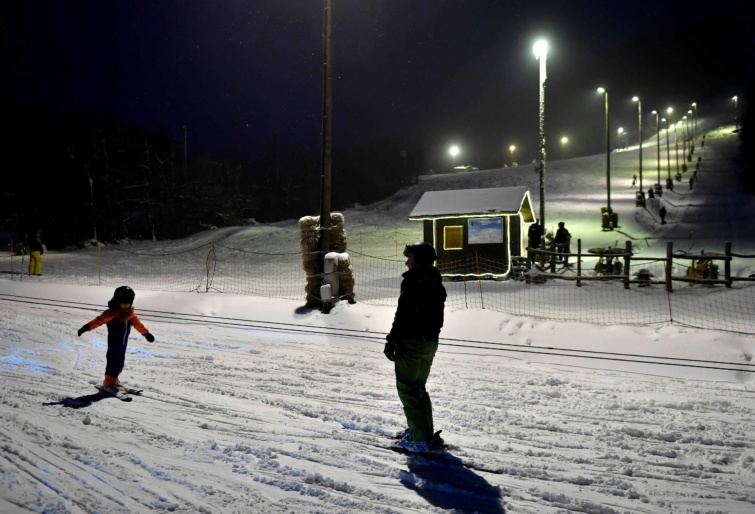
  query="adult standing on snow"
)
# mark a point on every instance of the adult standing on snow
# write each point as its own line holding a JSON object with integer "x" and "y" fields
{"x": 36, "y": 249}
{"x": 563, "y": 238}
{"x": 535, "y": 236}
{"x": 413, "y": 341}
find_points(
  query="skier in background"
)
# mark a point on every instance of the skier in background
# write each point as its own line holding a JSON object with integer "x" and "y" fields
{"x": 413, "y": 341}
{"x": 119, "y": 317}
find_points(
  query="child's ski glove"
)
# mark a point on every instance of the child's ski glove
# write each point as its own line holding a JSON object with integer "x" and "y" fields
{"x": 83, "y": 329}
{"x": 149, "y": 337}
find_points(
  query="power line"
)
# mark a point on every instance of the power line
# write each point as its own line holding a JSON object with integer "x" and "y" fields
{"x": 367, "y": 335}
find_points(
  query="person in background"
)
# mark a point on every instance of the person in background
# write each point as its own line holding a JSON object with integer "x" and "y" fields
{"x": 119, "y": 318}
{"x": 534, "y": 236}
{"x": 662, "y": 213}
{"x": 563, "y": 240}
{"x": 413, "y": 341}
{"x": 36, "y": 249}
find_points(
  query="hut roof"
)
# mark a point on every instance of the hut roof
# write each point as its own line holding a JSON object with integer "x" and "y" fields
{"x": 475, "y": 202}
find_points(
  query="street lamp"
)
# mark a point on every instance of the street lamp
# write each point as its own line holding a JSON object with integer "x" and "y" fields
{"x": 668, "y": 151}
{"x": 676, "y": 144}
{"x": 541, "y": 53}
{"x": 639, "y": 134}
{"x": 511, "y": 150}
{"x": 620, "y": 144}
{"x": 608, "y": 154}
{"x": 668, "y": 154}
{"x": 736, "y": 126}
{"x": 658, "y": 145}
{"x": 453, "y": 152}
{"x": 694, "y": 126}
{"x": 564, "y": 140}
{"x": 684, "y": 136}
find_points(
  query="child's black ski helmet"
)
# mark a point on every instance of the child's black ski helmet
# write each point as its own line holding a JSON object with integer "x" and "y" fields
{"x": 124, "y": 294}
{"x": 424, "y": 253}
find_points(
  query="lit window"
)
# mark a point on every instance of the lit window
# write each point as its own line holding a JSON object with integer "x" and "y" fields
{"x": 453, "y": 238}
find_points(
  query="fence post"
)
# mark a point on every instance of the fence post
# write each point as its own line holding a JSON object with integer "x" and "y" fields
{"x": 669, "y": 262}
{"x": 579, "y": 262}
{"x": 627, "y": 262}
{"x": 727, "y": 264}
{"x": 553, "y": 256}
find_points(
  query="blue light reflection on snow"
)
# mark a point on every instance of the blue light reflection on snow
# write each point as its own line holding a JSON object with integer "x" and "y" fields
{"x": 13, "y": 361}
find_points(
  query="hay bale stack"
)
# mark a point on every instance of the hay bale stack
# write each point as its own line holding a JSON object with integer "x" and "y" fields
{"x": 309, "y": 228}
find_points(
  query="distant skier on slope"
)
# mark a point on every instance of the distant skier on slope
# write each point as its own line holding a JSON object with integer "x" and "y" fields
{"x": 413, "y": 341}
{"x": 119, "y": 317}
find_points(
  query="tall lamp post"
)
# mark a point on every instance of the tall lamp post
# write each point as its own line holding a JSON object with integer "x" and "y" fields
{"x": 620, "y": 139}
{"x": 658, "y": 147}
{"x": 639, "y": 134}
{"x": 668, "y": 151}
{"x": 608, "y": 156}
{"x": 511, "y": 151}
{"x": 694, "y": 126}
{"x": 676, "y": 143}
{"x": 669, "y": 183}
{"x": 541, "y": 53}
{"x": 736, "y": 125}
{"x": 684, "y": 138}
{"x": 564, "y": 140}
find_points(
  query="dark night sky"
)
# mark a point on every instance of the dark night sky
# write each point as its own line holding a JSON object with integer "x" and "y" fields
{"x": 240, "y": 73}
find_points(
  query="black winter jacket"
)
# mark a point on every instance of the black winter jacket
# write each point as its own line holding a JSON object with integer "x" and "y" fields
{"x": 419, "y": 315}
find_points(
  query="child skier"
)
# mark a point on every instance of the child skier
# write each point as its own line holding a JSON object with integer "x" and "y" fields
{"x": 119, "y": 317}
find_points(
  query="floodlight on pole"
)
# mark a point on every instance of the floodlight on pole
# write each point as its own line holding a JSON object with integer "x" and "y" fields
{"x": 564, "y": 141}
{"x": 736, "y": 126}
{"x": 676, "y": 143}
{"x": 658, "y": 145}
{"x": 511, "y": 152}
{"x": 639, "y": 133}
{"x": 694, "y": 126}
{"x": 541, "y": 53}
{"x": 669, "y": 124}
{"x": 668, "y": 150}
{"x": 620, "y": 138}
{"x": 608, "y": 152}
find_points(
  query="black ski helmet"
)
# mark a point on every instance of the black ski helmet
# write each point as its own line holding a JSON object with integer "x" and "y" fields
{"x": 424, "y": 253}
{"x": 124, "y": 294}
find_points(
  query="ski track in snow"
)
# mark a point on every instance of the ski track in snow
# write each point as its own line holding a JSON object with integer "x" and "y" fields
{"x": 209, "y": 406}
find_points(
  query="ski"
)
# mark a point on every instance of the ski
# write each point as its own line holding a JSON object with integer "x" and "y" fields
{"x": 442, "y": 456}
{"x": 122, "y": 393}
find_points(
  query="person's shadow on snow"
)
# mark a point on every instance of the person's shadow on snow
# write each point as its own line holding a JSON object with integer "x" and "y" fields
{"x": 447, "y": 484}
{"x": 81, "y": 401}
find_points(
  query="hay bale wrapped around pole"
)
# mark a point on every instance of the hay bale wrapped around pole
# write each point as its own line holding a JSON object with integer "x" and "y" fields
{"x": 312, "y": 259}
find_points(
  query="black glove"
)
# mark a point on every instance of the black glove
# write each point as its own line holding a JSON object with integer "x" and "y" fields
{"x": 83, "y": 329}
{"x": 390, "y": 347}
{"x": 149, "y": 337}
{"x": 390, "y": 351}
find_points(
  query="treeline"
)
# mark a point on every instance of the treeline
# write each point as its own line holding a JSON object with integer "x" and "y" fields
{"x": 78, "y": 176}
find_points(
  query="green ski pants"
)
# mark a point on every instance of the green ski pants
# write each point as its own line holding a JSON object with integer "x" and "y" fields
{"x": 413, "y": 362}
